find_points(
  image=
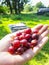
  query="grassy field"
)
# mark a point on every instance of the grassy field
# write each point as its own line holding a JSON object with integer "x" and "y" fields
{"x": 30, "y": 20}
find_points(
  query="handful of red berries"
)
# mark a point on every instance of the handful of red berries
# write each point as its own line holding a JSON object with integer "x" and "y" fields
{"x": 23, "y": 41}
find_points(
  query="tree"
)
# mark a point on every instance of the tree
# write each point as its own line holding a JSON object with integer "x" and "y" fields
{"x": 8, "y": 3}
{"x": 25, "y": 1}
{"x": 39, "y": 5}
{"x": 16, "y": 5}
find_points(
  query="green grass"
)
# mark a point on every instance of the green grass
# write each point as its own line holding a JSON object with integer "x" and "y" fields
{"x": 30, "y": 20}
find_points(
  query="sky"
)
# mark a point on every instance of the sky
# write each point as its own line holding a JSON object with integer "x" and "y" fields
{"x": 33, "y": 2}
{"x": 45, "y": 2}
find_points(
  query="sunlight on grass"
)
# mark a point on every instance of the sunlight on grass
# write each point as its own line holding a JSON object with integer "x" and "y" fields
{"x": 30, "y": 20}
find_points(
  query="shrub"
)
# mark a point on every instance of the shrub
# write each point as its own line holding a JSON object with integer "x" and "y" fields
{"x": 46, "y": 14}
{"x": 27, "y": 8}
{"x": 3, "y": 9}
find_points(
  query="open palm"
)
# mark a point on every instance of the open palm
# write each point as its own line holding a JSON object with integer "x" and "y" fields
{"x": 8, "y": 59}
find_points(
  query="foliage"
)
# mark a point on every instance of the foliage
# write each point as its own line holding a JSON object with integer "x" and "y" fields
{"x": 16, "y": 5}
{"x": 39, "y": 5}
{"x": 30, "y": 20}
{"x": 35, "y": 9}
{"x": 25, "y": 1}
{"x": 46, "y": 14}
{"x": 28, "y": 8}
{"x": 2, "y": 10}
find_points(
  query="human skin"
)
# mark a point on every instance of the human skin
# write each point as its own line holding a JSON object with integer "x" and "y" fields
{"x": 8, "y": 59}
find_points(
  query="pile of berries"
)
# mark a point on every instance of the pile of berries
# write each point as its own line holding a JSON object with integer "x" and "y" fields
{"x": 23, "y": 41}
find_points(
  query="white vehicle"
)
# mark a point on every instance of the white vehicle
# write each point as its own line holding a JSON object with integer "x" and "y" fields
{"x": 43, "y": 11}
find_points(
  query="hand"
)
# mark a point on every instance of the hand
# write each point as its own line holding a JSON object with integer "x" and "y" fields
{"x": 8, "y": 59}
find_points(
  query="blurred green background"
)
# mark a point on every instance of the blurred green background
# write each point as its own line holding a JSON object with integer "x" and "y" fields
{"x": 28, "y": 16}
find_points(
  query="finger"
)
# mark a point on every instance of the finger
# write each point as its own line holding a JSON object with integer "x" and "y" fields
{"x": 40, "y": 45}
{"x": 38, "y": 27}
{"x": 45, "y": 33}
{"x": 43, "y": 29}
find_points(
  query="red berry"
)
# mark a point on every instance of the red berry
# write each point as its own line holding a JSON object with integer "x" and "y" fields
{"x": 18, "y": 33}
{"x": 11, "y": 50}
{"x": 20, "y": 50}
{"x": 35, "y": 36}
{"x": 23, "y": 42}
{"x": 21, "y": 37}
{"x": 28, "y": 45}
{"x": 27, "y": 36}
{"x": 29, "y": 40}
{"x": 35, "y": 31}
{"x": 27, "y": 31}
{"x": 16, "y": 44}
{"x": 25, "y": 48}
{"x": 16, "y": 38}
{"x": 34, "y": 42}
